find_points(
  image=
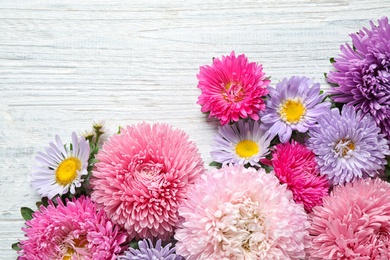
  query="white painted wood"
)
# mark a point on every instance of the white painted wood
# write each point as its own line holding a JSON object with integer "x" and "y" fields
{"x": 64, "y": 64}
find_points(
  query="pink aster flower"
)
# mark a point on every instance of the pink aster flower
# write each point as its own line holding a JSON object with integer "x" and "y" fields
{"x": 232, "y": 88}
{"x": 72, "y": 231}
{"x": 240, "y": 213}
{"x": 353, "y": 223}
{"x": 142, "y": 177}
{"x": 295, "y": 165}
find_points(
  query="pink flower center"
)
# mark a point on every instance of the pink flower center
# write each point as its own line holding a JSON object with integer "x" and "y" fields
{"x": 149, "y": 170}
{"x": 233, "y": 92}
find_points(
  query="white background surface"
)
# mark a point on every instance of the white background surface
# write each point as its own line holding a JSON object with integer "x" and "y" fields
{"x": 64, "y": 64}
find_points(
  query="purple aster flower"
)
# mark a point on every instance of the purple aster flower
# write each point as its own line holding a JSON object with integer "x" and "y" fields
{"x": 348, "y": 146}
{"x": 293, "y": 105}
{"x": 241, "y": 143}
{"x": 363, "y": 73}
{"x": 147, "y": 251}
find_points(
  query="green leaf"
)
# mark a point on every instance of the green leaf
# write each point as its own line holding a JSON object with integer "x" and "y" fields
{"x": 216, "y": 164}
{"x": 134, "y": 244}
{"x": 15, "y": 246}
{"x": 26, "y": 213}
{"x": 332, "y": 60}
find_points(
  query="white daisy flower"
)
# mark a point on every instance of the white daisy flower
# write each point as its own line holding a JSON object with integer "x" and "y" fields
{"x": 241, "y": 143}
{"x": 61, "y": 168}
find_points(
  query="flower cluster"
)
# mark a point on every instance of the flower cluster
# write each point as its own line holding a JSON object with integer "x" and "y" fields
{"x": 300, "y": 174}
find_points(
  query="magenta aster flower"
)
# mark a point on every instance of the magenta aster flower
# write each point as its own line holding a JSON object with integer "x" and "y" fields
{"x": 232, "y": 88}
{"x": 353, "y": 223}
{"x": 61, "y": 168}
{"x": 142, "y": 177}
{"x": 147, "y": 251}
{"x": 363, "y": 73}
{"x": 239, "y": 213}
{"x": 72, "y": 231}
{"x": 294, "y": 104}
{"x": 295, "y": 165}
{"x": 242, "y": 142}
{"x": 348, "y": 146}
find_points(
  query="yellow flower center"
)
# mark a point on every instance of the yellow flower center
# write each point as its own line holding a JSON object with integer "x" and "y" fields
{"x": 247, "y": 149}
{"x": 66, "y": 172}
{"x": 68, "y": 254}
{"x": 233, "y": 92}
{"x": 292, "y": 111}
{"x": 344, "y": 146}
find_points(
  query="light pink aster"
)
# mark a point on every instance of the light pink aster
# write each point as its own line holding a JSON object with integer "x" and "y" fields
{"x": 353, "y": 223}
{"x": 240, "y": 213}
{"x": 72, "y": 231}
{"x": 232, "y": 88}
{"x": 142, "y": 177}
{"x": 295, "y": 165}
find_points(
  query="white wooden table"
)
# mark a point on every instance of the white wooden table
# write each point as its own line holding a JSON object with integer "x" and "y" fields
{"x": 66, "y": 63}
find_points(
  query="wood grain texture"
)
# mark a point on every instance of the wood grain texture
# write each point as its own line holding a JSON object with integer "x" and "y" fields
{"x": 67, "y": 63}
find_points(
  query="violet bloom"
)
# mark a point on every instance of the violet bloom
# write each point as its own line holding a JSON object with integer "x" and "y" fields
{"x": 147, "y": 251}
{"x": 348, "y": 146}
{"x": 363, "y": 73}
{"x": 293, "y": 105}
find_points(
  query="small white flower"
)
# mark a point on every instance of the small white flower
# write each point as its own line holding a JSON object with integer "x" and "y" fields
{"x": 61, "y": 168}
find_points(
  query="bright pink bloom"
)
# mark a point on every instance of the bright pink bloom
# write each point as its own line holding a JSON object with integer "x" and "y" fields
{"x": 72, "y": 231}
{"x": 239, "y": 213}
{"x": 232, "y": 88}
{"x": 353, "y": 223}
{"x": 142, "y": 177}
{"x": 295, "y": 165}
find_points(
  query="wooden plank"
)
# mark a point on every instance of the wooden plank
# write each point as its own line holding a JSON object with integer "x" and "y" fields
{"x": 67, "y": 63}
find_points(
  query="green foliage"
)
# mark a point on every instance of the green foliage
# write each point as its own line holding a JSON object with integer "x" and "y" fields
{"x": 26, "y": 213}
{"x": 332, "y": 60}
{"x": 16, "y": 247}
{"x": 216, "y": 164}
{"x": 134, "y": 244}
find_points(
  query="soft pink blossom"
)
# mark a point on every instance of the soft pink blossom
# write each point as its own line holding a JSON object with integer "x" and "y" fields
{"x": 239, "y": 213}
{"x": 295, "y": 165}
{"x": 72, "y": 231}
{"x": 142, "y": 177}
{"x": 232, "y": 88}
{"x": 353, "y": 223}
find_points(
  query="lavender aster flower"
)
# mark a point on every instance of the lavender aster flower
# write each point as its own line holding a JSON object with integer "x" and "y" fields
{"x": 146, "y": 251}
{"x": 363, "y": 73}
{"x": 348, "y": 146}
{"x": 241, "y": 143}
{"x": 293, "y": 105}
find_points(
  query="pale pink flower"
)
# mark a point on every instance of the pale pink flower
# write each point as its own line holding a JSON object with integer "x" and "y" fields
{"x": 142, "y": 177}
{"x": 353, "y": 223}
{"x": 72, "y": 231}
{"x": 240, "y": 213}
{"x": 232, "y": 88}
{"x": 295, "y": 165}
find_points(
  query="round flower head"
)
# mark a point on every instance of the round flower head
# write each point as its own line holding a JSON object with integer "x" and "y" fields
{"x": 61, "y": 168}
{"x": 239, "y": 213}
{"x": 353, "y": 223}
{"x": 241, "y": 143}
{"x": 147, "y": 251}
{"x": 142, "y": 177}
{"x": 348, "y": 146}
{"x": 363, "y": 73}
{"x": 294, "y": 164}
{"x": 293, "y": 105}
{"x": 72, "y": 231}
{"x": 232, "y": 88}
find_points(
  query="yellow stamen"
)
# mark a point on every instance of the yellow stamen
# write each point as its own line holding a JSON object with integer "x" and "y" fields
{"x": 247, "y": 149}
{"x": 292, "y": 111}
{"x": 66, "y": 172}
{"x": 344, "y": 146}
